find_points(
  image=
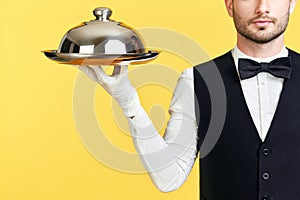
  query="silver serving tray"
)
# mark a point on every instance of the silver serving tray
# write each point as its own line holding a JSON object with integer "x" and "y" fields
{"x": 100, "y": 59}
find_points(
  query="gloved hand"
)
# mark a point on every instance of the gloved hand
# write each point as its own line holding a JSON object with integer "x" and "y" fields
{"x": 117, "y": 85}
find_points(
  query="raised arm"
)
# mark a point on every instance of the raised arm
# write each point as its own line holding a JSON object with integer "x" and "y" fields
{"x": 168, "y": 159}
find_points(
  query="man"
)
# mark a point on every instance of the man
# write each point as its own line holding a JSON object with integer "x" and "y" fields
{"x": 257, "y": 154}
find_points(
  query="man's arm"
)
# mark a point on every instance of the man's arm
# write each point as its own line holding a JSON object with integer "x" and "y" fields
{"x": 168, "y": 159}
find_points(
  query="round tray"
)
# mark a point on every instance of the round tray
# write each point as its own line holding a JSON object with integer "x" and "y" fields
{"x": 100, "y": 59}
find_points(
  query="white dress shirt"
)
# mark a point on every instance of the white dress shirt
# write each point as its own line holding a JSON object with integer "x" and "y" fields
{"x": 169, "y": 159}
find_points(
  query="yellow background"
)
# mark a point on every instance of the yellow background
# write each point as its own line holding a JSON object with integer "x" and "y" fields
{"x": 41, "y": 155}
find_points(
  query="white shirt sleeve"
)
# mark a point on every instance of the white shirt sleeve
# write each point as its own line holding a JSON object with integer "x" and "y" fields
{"x": 169, "y": 159}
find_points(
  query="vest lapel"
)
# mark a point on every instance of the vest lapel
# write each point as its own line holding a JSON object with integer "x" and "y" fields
{"x": 235, "y": 93}
{"x": 286, "y": 108}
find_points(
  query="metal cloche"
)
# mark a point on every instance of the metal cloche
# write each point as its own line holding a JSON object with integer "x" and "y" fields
{"x": 101, "y": 41}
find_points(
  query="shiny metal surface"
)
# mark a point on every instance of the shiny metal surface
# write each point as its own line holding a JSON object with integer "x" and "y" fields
{"x": 102, "y": 35}
{"x": 100, "y": 59}
{"x": 102, "y": 13}
{"x": 101, "y": 41}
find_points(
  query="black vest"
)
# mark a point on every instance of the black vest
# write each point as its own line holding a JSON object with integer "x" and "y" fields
{"x": 241, "y": 166}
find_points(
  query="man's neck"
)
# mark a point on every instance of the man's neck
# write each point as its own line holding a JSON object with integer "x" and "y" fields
{"x": 257, "y": 50}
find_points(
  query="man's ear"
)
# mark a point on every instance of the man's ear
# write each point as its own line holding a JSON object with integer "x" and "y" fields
{"x": 229, "y": 7}
{"x": 292, "y": 5}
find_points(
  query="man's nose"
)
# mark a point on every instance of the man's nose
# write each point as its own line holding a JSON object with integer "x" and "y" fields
{"x": 263, "y": 6}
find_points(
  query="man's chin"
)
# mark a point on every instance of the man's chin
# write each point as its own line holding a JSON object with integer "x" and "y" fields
{"x": 260, "y": 38}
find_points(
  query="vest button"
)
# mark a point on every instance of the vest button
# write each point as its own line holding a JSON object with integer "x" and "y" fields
{"x": 265, "y": 197}
{"x": 266, "y": 176}
{"x": 266, "y": 151}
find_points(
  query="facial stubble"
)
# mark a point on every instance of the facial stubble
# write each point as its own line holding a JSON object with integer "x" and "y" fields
{"x": 242, "y": 27}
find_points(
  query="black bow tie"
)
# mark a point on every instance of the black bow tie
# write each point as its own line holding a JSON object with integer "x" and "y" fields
{"x": 280, "y": 67}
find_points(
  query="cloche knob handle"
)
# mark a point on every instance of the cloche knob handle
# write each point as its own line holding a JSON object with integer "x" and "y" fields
{"x": 102, "y": 13}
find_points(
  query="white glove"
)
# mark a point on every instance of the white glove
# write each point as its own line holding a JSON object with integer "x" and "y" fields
{"x": 117, "y": 85}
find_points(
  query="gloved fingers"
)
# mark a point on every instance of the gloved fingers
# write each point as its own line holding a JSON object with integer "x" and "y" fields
{"x": 120, "y": 70}
{"x": 124, "y": 69}
{"x": 89, "y": 72}
{"x": 117, "y": 70}
{"x": 98, "y": 74}
{"x": 103, "y": 78}
{"x": 120, "y": 74}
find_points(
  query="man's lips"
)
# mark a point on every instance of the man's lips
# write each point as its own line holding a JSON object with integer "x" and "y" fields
{"x": 262, "y": 22}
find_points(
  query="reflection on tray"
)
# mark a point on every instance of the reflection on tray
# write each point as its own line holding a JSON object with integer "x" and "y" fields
{"x": 100, "y": 59}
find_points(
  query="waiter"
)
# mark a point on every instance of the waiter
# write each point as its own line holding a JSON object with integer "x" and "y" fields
{"x": 257, "y": 152}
